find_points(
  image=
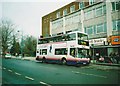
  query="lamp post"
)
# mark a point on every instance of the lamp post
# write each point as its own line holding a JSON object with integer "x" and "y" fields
{"x": 21, "y": 43}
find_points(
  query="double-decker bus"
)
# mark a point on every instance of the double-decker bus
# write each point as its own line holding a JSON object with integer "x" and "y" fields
{"x": 71, "y": 48}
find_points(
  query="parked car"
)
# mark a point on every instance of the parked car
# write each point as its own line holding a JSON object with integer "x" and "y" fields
{"x": 7, "y": 56}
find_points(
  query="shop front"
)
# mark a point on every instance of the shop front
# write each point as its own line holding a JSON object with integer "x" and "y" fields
{"x": 101, "y": 47}
{"x": 98, "y": 47}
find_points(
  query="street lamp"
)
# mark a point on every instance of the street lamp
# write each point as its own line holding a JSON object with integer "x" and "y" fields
{"x": 21, "y": 48}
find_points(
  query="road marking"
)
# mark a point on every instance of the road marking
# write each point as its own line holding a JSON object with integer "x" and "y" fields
{"x": 29, "y": 78}
{"x": 4, "y": 68}
{"x": 89, "y": 74}
{"x": 10, "y": 70}
{"x": 75, "y": 72}
{"x": 17, "y": 73}
{"x": 44, "y": 83}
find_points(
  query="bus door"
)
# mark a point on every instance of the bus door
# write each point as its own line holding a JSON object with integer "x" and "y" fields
{"x": 73, "y": 52}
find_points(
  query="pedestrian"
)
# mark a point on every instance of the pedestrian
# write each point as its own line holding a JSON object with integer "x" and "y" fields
{"x": 101, "y": 59}
{"x": 111, "y": 57}
{"x": 97, "y": 56}
{"x": 117, "y": 57}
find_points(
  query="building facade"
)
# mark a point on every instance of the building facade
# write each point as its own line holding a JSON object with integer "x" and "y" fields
{"x": 100, "y": 20}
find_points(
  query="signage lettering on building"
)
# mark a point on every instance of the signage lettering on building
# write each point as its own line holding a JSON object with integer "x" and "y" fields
{"x": 97, "y": 41}
{"x": 115, "y": 40}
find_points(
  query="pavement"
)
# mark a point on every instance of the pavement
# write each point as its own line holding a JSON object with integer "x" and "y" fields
{"x": 24, "y": 58}
{"x": 106, "y": 64}
{"x": 94, "y": 64}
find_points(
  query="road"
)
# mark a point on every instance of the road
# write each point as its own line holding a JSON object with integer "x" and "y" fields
{"x": 29, "y": 72}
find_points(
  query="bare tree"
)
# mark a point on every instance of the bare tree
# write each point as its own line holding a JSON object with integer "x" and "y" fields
{"x": 7, "y": 33}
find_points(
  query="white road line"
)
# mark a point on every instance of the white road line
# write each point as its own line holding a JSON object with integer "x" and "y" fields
{"x": 10, "y": 70}
{"x": 29, "y": 78}
{"x": 97, "y": 75}
{"x": 17, "y": 73}
{"x": 4, "y": 68}
{"x": 75, "y": 72}
{"x": 89, "y": 74}
{"x": 44, "y": 83}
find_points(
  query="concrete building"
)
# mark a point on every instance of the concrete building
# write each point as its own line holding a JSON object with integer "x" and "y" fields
{"x": 100, "y": 20}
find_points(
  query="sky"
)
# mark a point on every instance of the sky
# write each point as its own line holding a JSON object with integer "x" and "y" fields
{"x": 27, "y": 14}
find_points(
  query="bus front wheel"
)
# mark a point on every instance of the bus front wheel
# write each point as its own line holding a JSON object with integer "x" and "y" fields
{"x": 63, "y": 61}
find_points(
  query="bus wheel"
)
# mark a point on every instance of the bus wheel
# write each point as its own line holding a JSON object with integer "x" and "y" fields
{"x": 63, "y": 61}
{"x": 43, "y": 60}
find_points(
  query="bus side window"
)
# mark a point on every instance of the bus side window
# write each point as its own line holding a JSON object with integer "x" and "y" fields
{"x": 61, "y": 51}
{"x": 44, "y": 51}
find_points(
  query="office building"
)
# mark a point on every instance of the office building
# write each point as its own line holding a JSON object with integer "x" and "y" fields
{"x": 99, "y": 19}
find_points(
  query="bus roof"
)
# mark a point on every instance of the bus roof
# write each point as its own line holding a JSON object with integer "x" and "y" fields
{"x": 77, "y": 32}
{"x": 64, "y": 34}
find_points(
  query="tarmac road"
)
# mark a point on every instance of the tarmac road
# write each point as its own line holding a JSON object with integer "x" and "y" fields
{"x": 30, "y": 72}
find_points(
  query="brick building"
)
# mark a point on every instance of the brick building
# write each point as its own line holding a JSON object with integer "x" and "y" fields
{"x": 100, "y": 20}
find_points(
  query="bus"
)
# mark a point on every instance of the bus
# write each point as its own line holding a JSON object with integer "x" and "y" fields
{"x": 71, "y": 48}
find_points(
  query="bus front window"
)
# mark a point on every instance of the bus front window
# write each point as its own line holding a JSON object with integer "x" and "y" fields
{"x": 83, "y": 39}
{"x": 81, "y": 53}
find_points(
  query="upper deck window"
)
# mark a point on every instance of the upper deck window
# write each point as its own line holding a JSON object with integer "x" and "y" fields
{"x": 71, "y": 36}
{"x": 82, "y": 36}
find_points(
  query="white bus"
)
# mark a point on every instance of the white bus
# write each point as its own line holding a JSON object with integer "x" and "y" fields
{"x": 71, "y": 48}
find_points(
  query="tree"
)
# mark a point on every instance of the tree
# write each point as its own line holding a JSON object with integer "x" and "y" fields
{"x": 30, "y": 46}
{"x": 15, "y": 47}
{"x": 7, "y": 31}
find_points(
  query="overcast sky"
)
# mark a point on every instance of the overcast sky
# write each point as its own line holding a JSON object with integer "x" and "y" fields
{"x": 27, "y": 14}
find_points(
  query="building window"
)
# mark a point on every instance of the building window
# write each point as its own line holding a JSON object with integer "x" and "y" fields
{"x": 98, "y": 11}
{"x": 72, "y": 8}
{"x": 91, "y": 2}
{"x": 89, "y": 14}
{"x": 104, "y": 9}
{"x": 81, "y": 5}
{"x": 118, "y": 5}
{"x": 64, "y": 12}
{"x": 116, "y": 25}
{"x": 105, "y": 27}
{"x": 115, "y": 6}
{"x": 58, "y": 14}
{"x": 90, "y": 30}
{"x": 100, "y": 28}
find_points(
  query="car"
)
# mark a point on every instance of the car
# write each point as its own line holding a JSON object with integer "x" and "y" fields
{"x": 7, "y": 56}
